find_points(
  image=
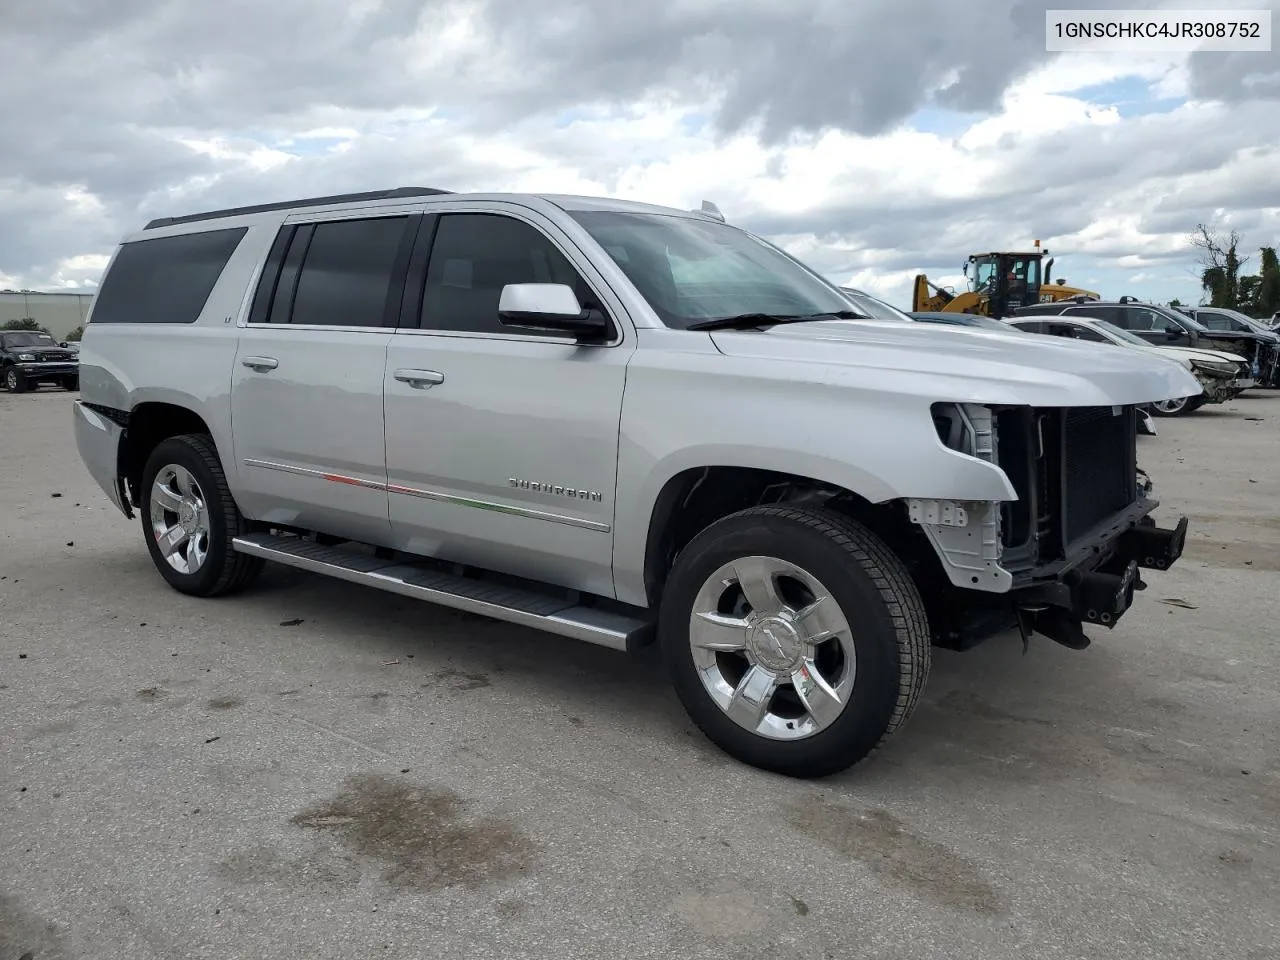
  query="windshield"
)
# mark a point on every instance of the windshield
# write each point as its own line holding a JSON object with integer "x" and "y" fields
{"x": 984, "y": 274}
{"x": 28, "y": 339}
{"x": 1120, "y": 333}
{"x": 692, "y": 270}
{"x": 875, "y": 308}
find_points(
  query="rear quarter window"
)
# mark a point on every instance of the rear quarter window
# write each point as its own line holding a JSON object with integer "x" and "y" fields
{"x": 166, "y": 279}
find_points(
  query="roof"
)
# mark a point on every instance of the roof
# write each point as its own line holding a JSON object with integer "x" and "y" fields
{"x": 566, "y": 202}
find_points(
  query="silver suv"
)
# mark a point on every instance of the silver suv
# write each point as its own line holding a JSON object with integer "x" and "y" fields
{"x": 616, "y": 422}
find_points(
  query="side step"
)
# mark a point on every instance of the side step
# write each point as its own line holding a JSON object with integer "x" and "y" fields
{"x": 527, "y": 608}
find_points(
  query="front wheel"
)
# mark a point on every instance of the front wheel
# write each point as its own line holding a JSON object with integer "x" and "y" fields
{"x": 190, "y": 518}
{"x": 71, "y": 382}
{"x": 14, "y": 381}
{"x": 796, "y": 640}
{"x": 1173, "y": 408}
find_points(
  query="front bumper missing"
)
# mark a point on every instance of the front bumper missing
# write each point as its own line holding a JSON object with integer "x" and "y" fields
{"x": 1100, "y": 594}
{"x": 1220, "y": 391}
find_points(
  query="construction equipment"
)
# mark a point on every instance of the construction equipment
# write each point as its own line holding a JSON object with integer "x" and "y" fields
{"x": 999, "y": 283}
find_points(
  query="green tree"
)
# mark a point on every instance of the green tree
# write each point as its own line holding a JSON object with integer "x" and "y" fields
{"x": 1220, "y": 275}
{"x": 1268, "y": 298}
{"x": 26, "y": 323}
{"x": 75, "y": 335}
{"x": 1175, "y": 302}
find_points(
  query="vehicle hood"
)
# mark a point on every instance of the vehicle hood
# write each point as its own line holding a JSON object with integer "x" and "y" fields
{"x": 964, "y": 364}
{"x": 1208, "y": 356}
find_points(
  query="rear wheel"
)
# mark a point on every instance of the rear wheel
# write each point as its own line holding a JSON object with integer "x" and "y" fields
{"x": 190, "y": 518}
{"x": 796, "y": 640}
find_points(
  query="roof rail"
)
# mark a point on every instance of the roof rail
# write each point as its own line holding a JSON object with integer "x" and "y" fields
{"x": 393, "y": 194}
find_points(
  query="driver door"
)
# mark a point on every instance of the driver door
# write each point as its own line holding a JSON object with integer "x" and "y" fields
{"x": 502, "y": 443}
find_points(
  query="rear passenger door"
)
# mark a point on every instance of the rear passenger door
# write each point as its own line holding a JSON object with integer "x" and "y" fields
{"x": 306, "y": 391}
{"x": 503, "y": 452}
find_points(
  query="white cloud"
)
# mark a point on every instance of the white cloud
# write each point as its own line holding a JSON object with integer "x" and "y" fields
{"x": 779, "y": 116}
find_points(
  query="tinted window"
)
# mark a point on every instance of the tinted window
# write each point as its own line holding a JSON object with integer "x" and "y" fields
{"x": 1217, "y": 321}
{"x": 1076, "y": 331}
{"x": 347, "y": 272}
{"x": 1031, "y": 326}
{"x": 474, "y": 256}
{"x": 1098, "y": 312}
{"x": 1144, "y": 318}
{"x": 165, "y": 280}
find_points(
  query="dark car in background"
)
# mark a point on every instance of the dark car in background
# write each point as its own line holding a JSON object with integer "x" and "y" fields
{"x": 1165, "y": 327}
{"x": 29, "y": 358}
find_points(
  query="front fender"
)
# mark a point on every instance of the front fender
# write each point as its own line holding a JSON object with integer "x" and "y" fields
{"x": 881, "y": 447}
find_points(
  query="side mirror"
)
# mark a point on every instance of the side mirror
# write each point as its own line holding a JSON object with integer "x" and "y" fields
{"x": 548, "y": 306}
{"x": 62, "y": 343}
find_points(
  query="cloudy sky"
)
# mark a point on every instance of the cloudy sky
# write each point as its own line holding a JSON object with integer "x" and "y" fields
{"x": 874, "y": 138}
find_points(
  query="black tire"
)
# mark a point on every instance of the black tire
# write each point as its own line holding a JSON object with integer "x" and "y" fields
{"x": 14, "y": 381}
{"x": 224, "y": 570}
{"x": 875, "y": 594}
{"x": 71, "y": 383}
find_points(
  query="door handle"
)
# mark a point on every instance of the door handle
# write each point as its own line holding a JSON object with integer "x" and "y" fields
{"x": 261, "y": 364}
{"x": 419, "y": 379}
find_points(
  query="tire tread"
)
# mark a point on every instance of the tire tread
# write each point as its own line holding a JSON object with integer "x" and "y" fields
{"x": 238, "y": 569}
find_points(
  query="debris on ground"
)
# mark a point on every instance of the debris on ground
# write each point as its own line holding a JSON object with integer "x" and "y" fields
{"x": 390, "y": 663}
{"x": 1179, "y": 602}
{"x": 291, "y": 623}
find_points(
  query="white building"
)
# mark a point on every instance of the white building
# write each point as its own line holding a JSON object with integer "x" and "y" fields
{"x": 59, "y": 313}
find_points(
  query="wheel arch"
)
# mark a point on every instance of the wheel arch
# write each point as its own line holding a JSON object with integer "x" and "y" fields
{"x": 150, "y": 423}
{"x": 693, "y": 498}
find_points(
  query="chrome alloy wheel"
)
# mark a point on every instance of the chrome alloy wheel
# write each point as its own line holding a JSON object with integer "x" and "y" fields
{"x": 1171, "y": 407}
{"x": 179, "y": 519}
{"x": 772, "y": 648}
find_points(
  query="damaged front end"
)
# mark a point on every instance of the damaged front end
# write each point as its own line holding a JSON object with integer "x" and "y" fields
{"x": 1069, "y": 550}
{"x": 1222, "y": 381}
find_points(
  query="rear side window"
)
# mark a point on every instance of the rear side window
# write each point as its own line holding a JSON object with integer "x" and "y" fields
{"x": 1101, "y": 312}
{"x": 164, "y": 280}
{"x": 1215, "y": 321}
{"x": 338, "y": 273}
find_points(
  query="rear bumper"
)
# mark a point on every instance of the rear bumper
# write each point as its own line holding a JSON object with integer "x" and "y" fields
{"x": 98, "y": 442}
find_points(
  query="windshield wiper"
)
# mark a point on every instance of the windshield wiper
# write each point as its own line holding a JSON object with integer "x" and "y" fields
{"x": 750, "y": 321}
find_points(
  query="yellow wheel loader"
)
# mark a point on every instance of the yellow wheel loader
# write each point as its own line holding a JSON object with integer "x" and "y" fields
{"x": 998, "y": 283}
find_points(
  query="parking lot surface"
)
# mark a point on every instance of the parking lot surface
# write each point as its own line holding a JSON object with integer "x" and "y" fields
{"x": 316, "y": 770}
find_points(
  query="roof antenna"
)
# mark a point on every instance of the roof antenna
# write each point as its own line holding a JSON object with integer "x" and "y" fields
{"x": 711, "y": 210}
